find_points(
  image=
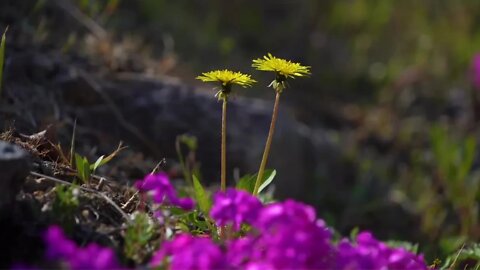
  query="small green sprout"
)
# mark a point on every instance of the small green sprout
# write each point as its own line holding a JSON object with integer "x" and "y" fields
{"x": 283, "y": 69}
{"x": 85, "y": 169}
{"x": 227, "y": 79}
{"x": 138, "y": 237}
{"x": 65, "y": 205}
{"x": 187, "y": 162}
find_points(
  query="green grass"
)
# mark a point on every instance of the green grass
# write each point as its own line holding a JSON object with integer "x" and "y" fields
{"x": 2, "y": 58}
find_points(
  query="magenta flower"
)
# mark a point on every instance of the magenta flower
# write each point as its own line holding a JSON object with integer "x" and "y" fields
{"x": 475, "y": 69}
{"x": 369, "y": 253}
{"x": 186, "y": 252}
{"x": 234, "y": 207}
{"x": 289, "y": 237}
{"x": 241, "y": 251}
{"x": 162, "y": 191}
{"x": 293, "y": 237}
{"x": 58, "y": 245}
{"x": 94, "y": 257}
{"x": 287, "y": 214}
{"x": 284, "y": 235}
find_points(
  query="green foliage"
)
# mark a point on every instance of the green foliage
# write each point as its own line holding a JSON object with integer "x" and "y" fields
{"x": 442, "y": 187}
{"x": 196, "y": 223}
{"x": 188, "y": 163}
{"x": 465, "y": 258}
{"x": 405, "y": 245}
{"x": 247, "y": 182}
{"x": 202, "y": 197}
{"x": 2, "y": 57}
{"x": 83, "y": 168}
{"x": 138, "y": 237}
{"x": 454, "y": 159}
{"x": 354, "y": 233}
{"x": 267, "y": 179}
{"x": 65, "y": 205}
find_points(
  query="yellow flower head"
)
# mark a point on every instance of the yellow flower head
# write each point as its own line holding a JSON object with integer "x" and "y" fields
{"x": 227, "y": 78}
{"x": 284, "y": 68}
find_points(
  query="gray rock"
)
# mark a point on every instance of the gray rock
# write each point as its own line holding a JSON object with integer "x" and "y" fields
{"x": 14, "y": 168}
{"x": 148, "y": 114}
{"x": 161, "y": 111}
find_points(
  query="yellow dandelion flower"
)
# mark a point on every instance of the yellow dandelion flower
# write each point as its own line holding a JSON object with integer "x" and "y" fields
{"x": 227, "y": 78}
{"x": 284, "y": 68}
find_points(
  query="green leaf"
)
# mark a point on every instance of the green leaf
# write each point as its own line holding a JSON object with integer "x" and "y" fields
{"x": 138, "y": 236}
{"x": 203, "y": 200}
{"x": 412, "y": 247}
{"x": 268, "y": 177}
{"x": 83, "y": 167}
{"x": 353, "y": 234}
{"x": 468, "y": 158}
{"x": 2, "y": 57}
{"x": 79, "y": 165}
{"x": 97, "y": 164}
{"x": 247, "y": 183}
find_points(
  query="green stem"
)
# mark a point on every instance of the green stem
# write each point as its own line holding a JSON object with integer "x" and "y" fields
{"x": 266, "y": 152}
{"x": 185, "y": 170}
{"x": 223, "y": 179}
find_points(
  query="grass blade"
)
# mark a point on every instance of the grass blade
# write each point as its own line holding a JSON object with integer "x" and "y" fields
{"x": 267, "y": 179}
{"x": 203, "y": 200}
{"x": 2, "y": 57}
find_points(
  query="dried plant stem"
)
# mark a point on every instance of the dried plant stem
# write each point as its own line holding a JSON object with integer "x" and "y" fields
{"x": 97, "y": 193}
{"x": 223, "y": 176}
{"x": 266, "y": 152}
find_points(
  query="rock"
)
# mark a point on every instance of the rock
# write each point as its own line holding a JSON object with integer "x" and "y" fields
{"x": 148, "y": 114}
{"x": 14, "y": 168}
{"x": 162, "y": 111}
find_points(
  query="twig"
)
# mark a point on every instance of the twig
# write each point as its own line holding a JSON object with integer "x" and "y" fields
{"x": 99, "y": 194}
{"x": 67, "y": 169}
{"x": 129, "y": 202}
{"x": 456, "y": 257}
{"x": 157, "y": 167}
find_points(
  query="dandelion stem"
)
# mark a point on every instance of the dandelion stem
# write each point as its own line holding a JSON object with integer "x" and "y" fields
{"x": 266, "y": 152}
{"x": 223, "y": 179}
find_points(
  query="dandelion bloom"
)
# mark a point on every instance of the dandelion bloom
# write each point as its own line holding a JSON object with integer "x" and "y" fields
{"x": 284, "y": 68}
{"x": 227, "y": 78}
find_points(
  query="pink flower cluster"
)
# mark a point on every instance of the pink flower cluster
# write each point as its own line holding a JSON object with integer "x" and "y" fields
{"x": 475, "y": 71}
{"x": 162, "y": 191}
{"x": 284, "y": 235}
{"x": 93, "y": 256}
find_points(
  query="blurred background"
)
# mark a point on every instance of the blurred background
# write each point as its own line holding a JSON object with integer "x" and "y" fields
{"x": 391, "y": 106}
